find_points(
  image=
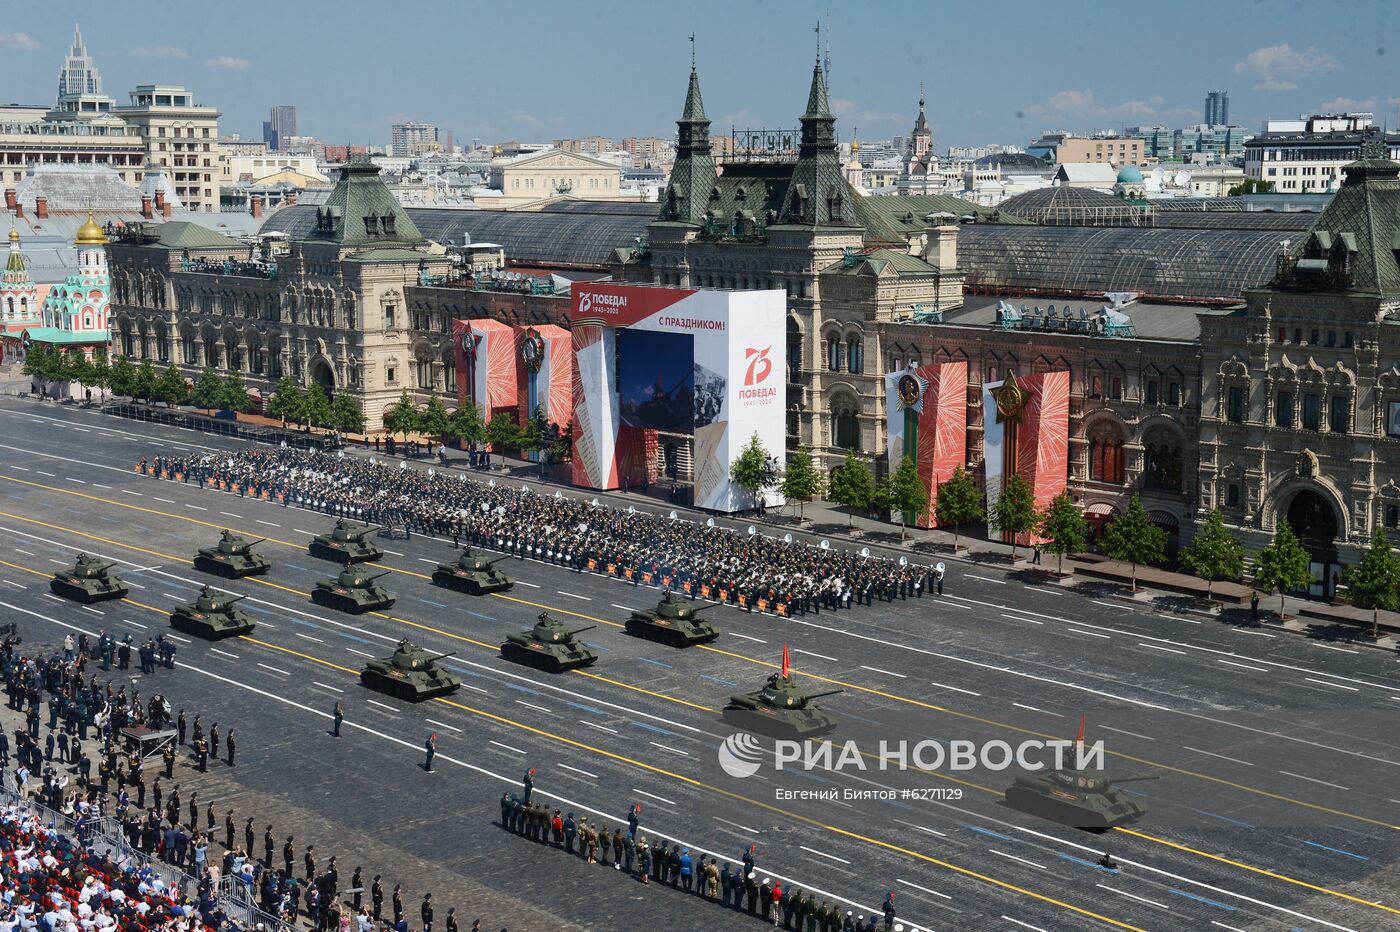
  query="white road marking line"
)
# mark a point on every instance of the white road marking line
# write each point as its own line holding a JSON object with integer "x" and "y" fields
{"x": 1234, "y": 760}
{"x": 431, "y": 721}
{"x": 1031, "y": 708}
{"x": 798, "y": 650}
{"x": 268, "y": 523}
{"x": 470, "y": 686}
{"x": 597, "y": 726}
{"x": 135, "y": 623}
{"x": 89, "y": 608}
{"x": 506, "y": 746}
{"x": 134, "y": 585}
{"x": 360, "y": 652}
{"x": 1333, "y": 685}
{"x": 956, "y": 689}
{"x": 229, "y": 514}
{"x": 575, "y": 595}
{"x": 531, "y": 705}
{"x": 666, "y": 747}
{"x": 308, "y": 637}
{"x": 334, "y": 689}
{"x": 168, "y": 501}
{"x": 24, "y": 468}
{"x": 1312, "y": 780}
{"x": 274, "y": 669}
{"x": 59, "y": 562}
{"x": 1092, "y": 634}
{"x": 426, "y": 560}
{"x": 196, "y": 507}
{"x": 576, "y": 770}
{"x": 999, "y": 582}
{"x": 1224, "y": 926}
{"x": 736, "y": 634}
{"x": 25, "y": 552}
{"x": 823, "y": 854}
{"x": 1257, "y": 634}
{"x": 382, "y": 705}
{"x": 1245, "y": 666}
{"x": 394, "y": 552}
{"x": 83, "y": 429}
{"x": 660, "y": 799}
{"x": 625, "y": 608}
{"x": 1133, "y": 896}
{"x": 11, "y": 582}
{"x": 1170, "y": 650}
{"x": 1019, "y": 618}
{"x": 1012, "y": 857}
{"x": 886, "y": 672}
{"x": 1024, "y": 925}
{"x": 222, "y": 653}
{"x": 1121, "y": 608}
{"x": 521, "y": 582}
{"x": 52, "y": 476}
{"x": 176, "y": 637}
{"x": 923, "y": 889}
{"x": 1122, "y": 732}
{"x": 300, "y": 531}
{"x": 71, "y": 479}
{"x": 129, "y": 492}
{"x": 1344, "y": 650}
{"x": 727, "y": 822}
{"x": 98, "y": 485}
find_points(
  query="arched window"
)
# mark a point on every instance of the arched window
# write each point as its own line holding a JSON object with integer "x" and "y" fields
{"x": 835, "y": 354}
{"x": 845, "y": 425}
{"x": 1106, "y": 453}
{"x": 1163, "y": 466}
{"x": 855, "y": 355}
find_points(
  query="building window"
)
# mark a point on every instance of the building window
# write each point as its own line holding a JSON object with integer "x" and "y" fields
{"x": 855, "y": 355}
{"x": 1163, "y": 464}
{"x": 1096, "y": 387}
{"x": 1346, "y": 339}
{"x": 1152, "y": 391}
{"x": 425, "y": 373}
{"x": 1116, "y": 389}
{"x": 835, "y": 354}
{"x": 389, "y": 310}
{"x": 1234, "y": 404}
{"x": 1312, "y": 412}
{"x": 1282, "y": 335}
{"x": 1392, "y": 516}
{"x": 1283, "y": 409}
{"x": 1232, "y": 495}
{"x": 391, "y": 375}
{"x": 1331, "y": 338}
{"x": 1173, "y": 393}
{"x": 1337, "y": 414}
{"x": 1106, "y": 459}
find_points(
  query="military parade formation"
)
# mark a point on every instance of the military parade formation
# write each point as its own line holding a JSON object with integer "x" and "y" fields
{"x": 754, "y": 571}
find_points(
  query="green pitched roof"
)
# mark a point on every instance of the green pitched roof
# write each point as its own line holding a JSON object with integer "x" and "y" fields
{"x": 878, "y": 261}
{"x": 181, "y": 234}
{"x": 1362, "y": 223}
{"x": 892, "y": 218}
{"x": 361, "y": 211}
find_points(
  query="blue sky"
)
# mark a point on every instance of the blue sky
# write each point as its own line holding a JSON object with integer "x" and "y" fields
{"x": 537, "y": 71}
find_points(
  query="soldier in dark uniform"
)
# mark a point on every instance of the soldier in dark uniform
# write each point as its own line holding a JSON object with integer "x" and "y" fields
{"x": 426, "y": 912}
{"x": 430, "y": 750}
{"x": 228, "y": 742}
{"x": 249, "y": 837}
{"x": 376, "y": 897}
{"x": 288, "y": 854}
{"x": 308, "y": 861}
{"x": 180, "y": 725}
{"x": 570, "y": 830}
{"x": 397, "y": 902}
{"x": 450, "y": 925}
{"x": 357, "y": 884}
{"x": 214, "y": 740}
{"x": 725, "y": 880}
{"x": 268, "y": 846}
{"x": 336, "y": 718}
{"x": 201, "y": 755}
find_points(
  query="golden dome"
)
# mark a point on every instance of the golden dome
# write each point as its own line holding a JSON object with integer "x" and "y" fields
{"x": 90, "y": 234}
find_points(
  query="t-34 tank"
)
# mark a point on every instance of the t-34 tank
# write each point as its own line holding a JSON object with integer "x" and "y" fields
{"x": 472, "y": 574}
{"x": 90, "y": 580}
{"x": 673, "y": 622}
{"x": 212, "y": 616}
{"x": 1084, "y": 798}
{"x": 345, "y": 544}
{"x": 781, "y": 709}
{"x": 353, "y": 591}
{"x": 410, "y": 673}
{"x": 549, "y": 646}
{"x": 232, "y": 557}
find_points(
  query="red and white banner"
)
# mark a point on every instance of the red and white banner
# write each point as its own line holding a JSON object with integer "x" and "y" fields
{"x": 927, "y": 421}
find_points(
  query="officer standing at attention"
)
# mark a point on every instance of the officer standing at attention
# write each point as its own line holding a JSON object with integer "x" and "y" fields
{"x": 337, "y": 717}
{"x": 376, "y": 897}
{"x": 529, "y": 783}
{"x": 289, "y": 858}
{"x": 430, "y": 751}
{"x": 168, "y": 755}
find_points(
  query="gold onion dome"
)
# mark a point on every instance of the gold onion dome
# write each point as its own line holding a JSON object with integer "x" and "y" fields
{"x": 14, "y": 235}
{"x": 90, "y": 234}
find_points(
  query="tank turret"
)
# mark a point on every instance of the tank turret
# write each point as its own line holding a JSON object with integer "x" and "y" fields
{"x": 781, "y": 709}
{"x": 472, "y": 573}
{"x": 674, "y": 621}
{"x": 354, "y": 591}
{"x": 410, "y": 673}
{"x": 90, "y": 580}
{"x": 232, "y": 557}
{"x": 1078, "y": 797}
{"x": 212, "y": 616}
{"x": 346, "y": 543}
{"x": 549, "y": 646}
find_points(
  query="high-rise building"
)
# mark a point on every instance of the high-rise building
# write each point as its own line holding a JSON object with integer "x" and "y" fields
{"x": 410, "y": 139}
{"x": 182, "y": 136}
{"x": 79, "y": 85}
{"x": 1217, "y": 108}
{"x": 281, "y": 124}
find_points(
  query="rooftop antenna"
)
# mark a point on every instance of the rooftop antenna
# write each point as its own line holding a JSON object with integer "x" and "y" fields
{"x": 692, "y": 51}
{"x": 826, "y": 65}
{"x": 818, "y": 30}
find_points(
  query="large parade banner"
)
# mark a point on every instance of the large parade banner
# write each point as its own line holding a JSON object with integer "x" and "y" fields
{"x": 1025, "y": 430}
{"x": 926, "y": 409}
{"x": 651, "y": 361}
{"x": 486, "y": 372}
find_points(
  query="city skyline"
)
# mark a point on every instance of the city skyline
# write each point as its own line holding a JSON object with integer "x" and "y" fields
{"x": 1277, "y": 67}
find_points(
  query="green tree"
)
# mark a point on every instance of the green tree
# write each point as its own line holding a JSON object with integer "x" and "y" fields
{"x": 1283, "y": 565}
{"x": 1375, "y": 581}
{"x": 171, "y": 387}
{"x": 534, "y": 435}
{"x": 1013, "y": 512}
{"x": 957, "y": 502}
{"x": 76, "y": 367}
{"x": 402, "y": 416}
{"x": 122, "y": 377}
{"x": 908, "y": 493}
{"x": 208, "y": 390}
{"x": 432, "y": 420}
{"x": 42, "y": 363}
{"x": 502, "y": 433}
{"x": 466, "y": 424}
{"x": 562, "y": 446}
{"x": 143, "y": 383}
{"x": 754, "y": 470}
{"x": 233, "y": 394}
{"x": 1251, "y": 186}
{"x": 852, "y": 484}
{"x": 1214, "y": 553}
{"x": 1133, "y": 538}
{"x": 287, "y": 401}
{"x": 316, "y": 407}
{"x": 346, "y": 414}
{"x": 1064, "y": 529}
{"x": 801, "y": 480}
{"x": 101, "y": 372}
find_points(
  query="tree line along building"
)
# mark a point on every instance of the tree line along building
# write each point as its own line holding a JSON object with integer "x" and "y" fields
{"x": 1180, "y": 383}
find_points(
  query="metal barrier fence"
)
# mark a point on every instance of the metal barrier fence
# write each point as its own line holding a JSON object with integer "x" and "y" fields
{"x": 222, "y": 427}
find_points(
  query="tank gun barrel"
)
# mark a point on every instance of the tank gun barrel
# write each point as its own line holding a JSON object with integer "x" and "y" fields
{"x": 829, "y": 692}
{"x": 254, "y": 543}
{"x": 236, "y": 598}
{"x": 704, "y": 608}
{"x": 451, "y": 653}
{"x": 1138, "y": 779}
{"x": 572, "y": 631}
{"x": 378, "y": 575}
{"x": 499, "y": 560}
